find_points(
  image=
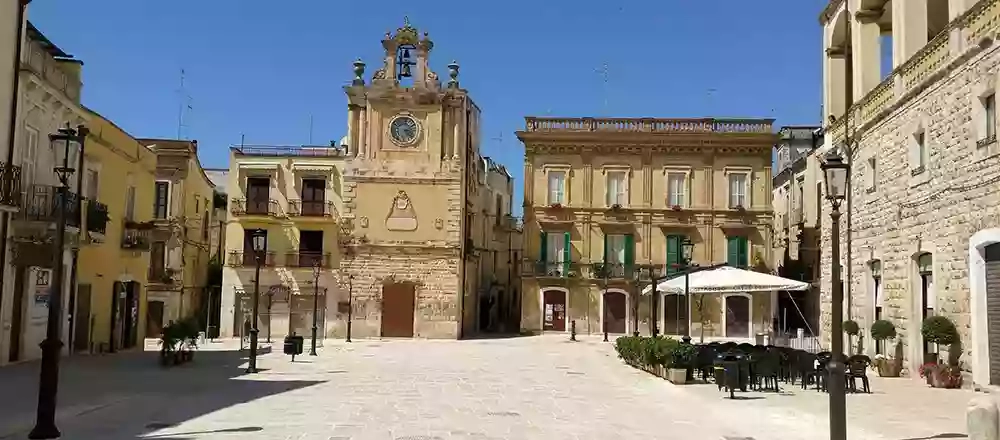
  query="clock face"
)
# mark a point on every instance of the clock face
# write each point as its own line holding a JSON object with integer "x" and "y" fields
{"x": 404, "y": 130}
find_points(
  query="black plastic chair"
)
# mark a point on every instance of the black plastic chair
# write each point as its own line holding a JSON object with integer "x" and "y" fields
{"x": 806, "y": 363}
{"x": 767, "y": 369}
{"x": 705, "y": 360}
{"x": 857, "y": 368}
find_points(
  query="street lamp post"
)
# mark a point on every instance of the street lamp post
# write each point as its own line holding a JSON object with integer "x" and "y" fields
{"x": 604, "y": 319}
{"x": 317, "y": 269}
{"x": 48, "y": 381}
{"x": 835, "y": 172}
{"x": 259, "y": 237}
{"x": 350, "y": 305}
{"x": 687, "y": 254}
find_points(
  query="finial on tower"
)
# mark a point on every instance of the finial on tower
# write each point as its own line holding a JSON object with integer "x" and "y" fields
{"x": 453, "y": 74}
{"x": 359, "y": 73}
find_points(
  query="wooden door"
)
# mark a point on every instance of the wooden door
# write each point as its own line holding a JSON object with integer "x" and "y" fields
{"x": 398, "y": 304}
{"x": 675, "y": 315}
{"x": 554, "y": 310}
{"x": 615, "y": 312}
{"x": 81, "y": 319}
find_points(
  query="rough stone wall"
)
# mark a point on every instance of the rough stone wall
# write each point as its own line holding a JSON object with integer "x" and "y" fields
{"x": 907, "y": 214}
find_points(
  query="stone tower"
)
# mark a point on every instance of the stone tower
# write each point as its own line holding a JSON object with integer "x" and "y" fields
{"x": 404, "y": 216}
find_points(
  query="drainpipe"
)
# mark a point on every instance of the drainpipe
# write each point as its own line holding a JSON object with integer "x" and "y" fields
{"x": 11, "y": 130}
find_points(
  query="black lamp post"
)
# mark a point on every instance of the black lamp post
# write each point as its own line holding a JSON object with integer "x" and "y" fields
{"x": 687, "y": 254}
{"x": 350, "y": 305}
{"x": 835, "y": 172}
{"x": 259, "y": 237}
{"x": 317, "y": 268}
{"x": 604, "y": 319}
{"x": 65, "y": 143}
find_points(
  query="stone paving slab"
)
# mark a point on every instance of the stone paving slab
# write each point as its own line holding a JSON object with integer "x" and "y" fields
{"x": 518, "y": 388}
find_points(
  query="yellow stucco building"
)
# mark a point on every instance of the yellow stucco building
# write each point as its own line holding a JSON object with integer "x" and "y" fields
{"x": 117, "y": 185}
{"x": 608, "y": 202}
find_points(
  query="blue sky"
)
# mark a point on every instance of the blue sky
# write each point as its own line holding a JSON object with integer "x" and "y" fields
{"x": 263, "y": 69}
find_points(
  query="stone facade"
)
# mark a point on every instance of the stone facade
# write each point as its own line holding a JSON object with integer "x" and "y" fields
{"x": 925, "y": 180}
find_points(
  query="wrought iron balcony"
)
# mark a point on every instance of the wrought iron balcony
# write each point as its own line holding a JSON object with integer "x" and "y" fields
{"x": 614, "y": 271}
{"x": 311, "y": 208}
{"x": 267, "y": 207}
{"x": 550, "y": 269}
{"x": 136, "y": 236}
{"x": 10, "y": 185}
{"x": 162, "y": 275}
{"x": 42, "y": 203}
{"x": 308, "y": 259}
{"x": 97, "y": 217}
{"x": 247, "y": 259}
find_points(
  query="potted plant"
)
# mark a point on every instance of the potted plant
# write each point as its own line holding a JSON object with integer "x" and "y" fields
{"x": 882, "y": 331}
{"x": 681, "y": 361}
{"x": 616, "y": 207}
{"x": 556, "y": 205}
{"x": 740, "y": 208}
{"x": 852, "y": 329}
{"x": 676, "y": 207}
{"x": 938, "y": 330}
{"x": 168, "y": 345}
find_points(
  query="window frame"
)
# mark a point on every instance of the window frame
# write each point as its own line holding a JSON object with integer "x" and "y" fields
{"x": 731, "y": 199}
{"x": 168, "y": 185}
{"x": 563, "y": 192}
{"x": 621, "y": 195}
{"x": 683, "y": 200}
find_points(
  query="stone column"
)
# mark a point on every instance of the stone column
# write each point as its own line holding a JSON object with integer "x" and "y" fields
{"x": 362, "y": 142}
{"x": 909, "y": 29}
{"x": 866, "y": 44}
{"x": 353, "y": 130}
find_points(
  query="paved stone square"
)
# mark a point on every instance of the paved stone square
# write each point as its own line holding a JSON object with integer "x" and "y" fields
{"x": 519, "y": 388}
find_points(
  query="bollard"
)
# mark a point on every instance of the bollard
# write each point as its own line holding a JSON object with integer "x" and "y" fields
{"x": 605, "y": 335}
{"x": 982, "y": 418}
{"x": 572, "y": 330}
{"x": 686, "y": 339}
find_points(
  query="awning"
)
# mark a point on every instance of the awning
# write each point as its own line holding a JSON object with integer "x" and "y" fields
{"x": 312, "y": 167}
{"x": 727, "y": 279}
{"x": 258, "y": 166}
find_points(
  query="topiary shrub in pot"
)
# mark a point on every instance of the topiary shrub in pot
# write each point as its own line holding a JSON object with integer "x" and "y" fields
{"x": 938, "y": 330}
{"x": 942, "y": 331}
{"x": 882, "y": 331}
{"x": 681, "y": 362}
{"x": 852, "y": 329}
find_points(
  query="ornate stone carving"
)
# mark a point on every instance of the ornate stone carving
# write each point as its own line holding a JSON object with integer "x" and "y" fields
{"x": 364, "y": 222}
{"x": 402, "y": 216}
{"x": 439, "y": 223}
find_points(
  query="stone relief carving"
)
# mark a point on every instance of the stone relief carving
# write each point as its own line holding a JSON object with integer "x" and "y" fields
{"x": 439, "y": 223}
{"x": 402, "y": 216}
{"x": 364, "y": 222}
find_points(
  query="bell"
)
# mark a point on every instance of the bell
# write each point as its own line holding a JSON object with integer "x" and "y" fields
{"x": 406, "y": 53}
{"x": 406, "y": 71}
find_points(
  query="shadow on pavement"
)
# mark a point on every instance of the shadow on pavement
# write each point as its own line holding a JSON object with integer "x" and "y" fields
{"x": 129, "y": 395}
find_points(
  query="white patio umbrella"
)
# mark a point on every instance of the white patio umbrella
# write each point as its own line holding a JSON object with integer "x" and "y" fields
{"x": 727, "y": 279}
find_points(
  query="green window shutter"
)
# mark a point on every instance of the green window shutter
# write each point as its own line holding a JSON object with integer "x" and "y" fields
{"x": 673, "y": 253}
{"x": 543, "y": 247}
{"x": 566, "y": 251}
{"x": 744, "y": 252}
{"x": 629, "y": 251}
{"x": 733, "y": 251}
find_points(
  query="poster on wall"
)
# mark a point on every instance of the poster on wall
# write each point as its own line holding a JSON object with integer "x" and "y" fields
{"x": 40, "y": 289}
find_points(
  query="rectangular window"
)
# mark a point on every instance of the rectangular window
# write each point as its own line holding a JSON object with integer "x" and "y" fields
{"x": 737, "y": 252}
{"x": 617, "y": 189}
{"x": 310, "y": 248}
{"x": 555, "y": 253}
{"x": 876, "y": 268}
{"x": 157, "y": 258}
{"x": 674, "y": 258}
{"x": 130, "y": 203}
{"x": 677, "y": 189}
{"x": 92, "y": 184}
{"x": 557, "y": 187}
{"x": 872, "y": 173}
{"x": 921, "y": 150}
{"x": 990, "y": 111}
{"x": 29, "y": 155}
{"x": 738, "y": 190}
{"x": 616, "y": 249}
{"x": 161, "y": 207}
{"x": 258, "y": 195}
{"x": 313, "y": 197}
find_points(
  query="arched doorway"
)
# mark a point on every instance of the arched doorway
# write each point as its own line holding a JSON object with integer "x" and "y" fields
{"x": 736, "y": 316}
{"x": 615, "y": 312}
{"x": 554, "y": 310}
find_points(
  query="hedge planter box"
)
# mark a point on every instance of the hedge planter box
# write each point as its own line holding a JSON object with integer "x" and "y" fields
{"x": 677, "y": 376}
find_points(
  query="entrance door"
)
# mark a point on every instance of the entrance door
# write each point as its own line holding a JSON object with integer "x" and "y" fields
{"x": 81, "y": 319}
{"x": 675, "y": 315}
{"x": 398, "y": 304}
{"x": 993, "y": 309}
{"x": 614, "y": 312}
{"x": 130, "y": 319}
{"x": 555, "y": 310}
{"x": 737, "y": 316}
{"x": 154, "y": 319}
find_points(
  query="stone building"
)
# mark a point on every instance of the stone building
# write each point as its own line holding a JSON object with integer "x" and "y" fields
{"x": 925, "y": 181}
{"x": 608, "y": 203}
{"x": 49, "y": 99}
{"x": 796, "y": 187}
{"x": 180, "y": 244}
{"x": 411, "y": 196}
{"x": 496, "y": 241}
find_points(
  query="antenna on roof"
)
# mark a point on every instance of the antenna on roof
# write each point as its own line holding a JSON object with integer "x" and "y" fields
{"x": 310, "y": 129}
{"x": 243, "y": 139}
{"x": 603, "y": 72}
{"x": 184, "y": 103}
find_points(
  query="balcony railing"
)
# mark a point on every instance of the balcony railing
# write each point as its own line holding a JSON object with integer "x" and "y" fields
{"x": 247, "y": 259}
{"x": 615, "y": 271}
{"x": 10, "y": 185}
{"x": 308, "y": 259}
{"x": 649, "y": 125}
{"x": 549, "y": 269}
{"x": 97, "y": 217}
{"x": 162, "y": 275}
{"x": 41, "y": 204}
{"x": 255, "y": 207}
{"x": 136, "y": 236}
{"x": 295, "y": 151}
{"x": 311, "y": 208}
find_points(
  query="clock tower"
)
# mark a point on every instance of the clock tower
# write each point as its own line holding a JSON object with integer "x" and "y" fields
{"x": 406, "y": 192}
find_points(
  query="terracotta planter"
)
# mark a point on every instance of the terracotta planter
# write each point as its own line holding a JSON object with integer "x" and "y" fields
{"x": 946, "y": 378}
{"x": 677, "y": 376}
{"x": 889, "y": 369}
